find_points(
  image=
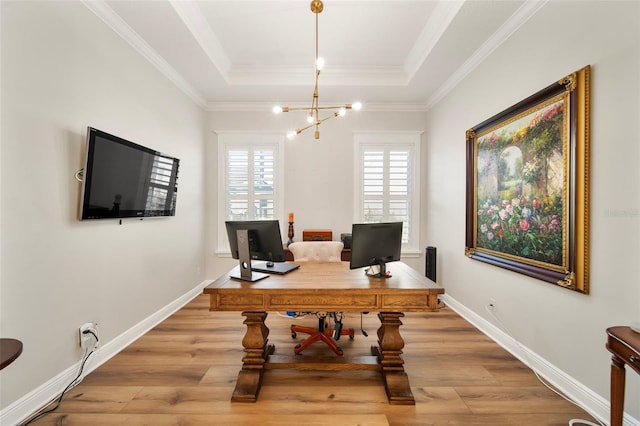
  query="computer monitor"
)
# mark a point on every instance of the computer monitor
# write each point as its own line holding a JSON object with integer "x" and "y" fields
{"x": 375, "y": 244}
{"x": 256, "y": 240}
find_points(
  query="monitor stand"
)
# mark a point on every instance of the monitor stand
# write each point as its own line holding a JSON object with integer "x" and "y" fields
{"x": 378, "y": 269}
{"x": 244, "y": 260}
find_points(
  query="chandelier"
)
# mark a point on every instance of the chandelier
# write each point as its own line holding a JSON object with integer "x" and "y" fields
{"x": 313, "y": 112}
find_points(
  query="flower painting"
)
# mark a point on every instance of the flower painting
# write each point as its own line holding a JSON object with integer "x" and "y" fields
{"x": 527, "y": 185}
{"x": 521, "y": 186}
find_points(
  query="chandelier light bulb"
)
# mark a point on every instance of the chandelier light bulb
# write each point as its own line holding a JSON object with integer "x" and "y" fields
{"x": 291, "y": 134}
{"x": 316, "y": 114}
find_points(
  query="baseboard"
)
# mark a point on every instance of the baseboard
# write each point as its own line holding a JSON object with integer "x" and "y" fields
{"x": 24, "y": 407}
{"x": 590, "y": 401}
{"x": 584, "y": 397}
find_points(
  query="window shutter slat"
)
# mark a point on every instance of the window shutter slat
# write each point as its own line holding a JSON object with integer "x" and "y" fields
{"x": 263, "y": 172}
{"x": 386, "y": 189}
{"x": 250, "y": 189}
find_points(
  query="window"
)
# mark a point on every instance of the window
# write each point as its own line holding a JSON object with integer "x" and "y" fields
{"x": 249, "y": 179}
{"x": 249, "y": 183}
{"x": 161, "y": 181}
{"x": 387, "y": 182}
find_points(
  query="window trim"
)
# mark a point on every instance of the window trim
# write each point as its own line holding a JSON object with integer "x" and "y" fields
{"x": 243, "y": 139}
{"x": 389, "y": 139}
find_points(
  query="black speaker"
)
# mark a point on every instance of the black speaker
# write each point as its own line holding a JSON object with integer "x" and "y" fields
{"x": 430, "y": 263}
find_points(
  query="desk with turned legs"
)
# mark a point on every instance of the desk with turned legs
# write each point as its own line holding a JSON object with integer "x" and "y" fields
{"x": 325, "y": 287}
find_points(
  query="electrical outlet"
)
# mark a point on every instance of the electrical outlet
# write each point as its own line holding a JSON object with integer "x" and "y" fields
{"x": 88, "y": 335}
{"x": 492, "y": 304}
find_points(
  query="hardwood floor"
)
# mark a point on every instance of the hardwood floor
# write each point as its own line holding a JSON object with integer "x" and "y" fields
{"x": 184, "y": 370}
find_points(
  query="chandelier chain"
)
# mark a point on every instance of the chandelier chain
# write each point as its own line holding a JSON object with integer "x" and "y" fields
{"x": 314, "y": 110}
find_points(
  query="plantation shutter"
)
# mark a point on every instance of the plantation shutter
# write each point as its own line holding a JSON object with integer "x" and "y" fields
{"x": 250, "y": 175}
{"x": 386, "y": 186}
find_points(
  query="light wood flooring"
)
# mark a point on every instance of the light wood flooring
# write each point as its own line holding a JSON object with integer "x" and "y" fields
{"x": 184, "y": 370}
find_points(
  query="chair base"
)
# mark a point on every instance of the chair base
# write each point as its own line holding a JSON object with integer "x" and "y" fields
{"x": 321, "y": 334}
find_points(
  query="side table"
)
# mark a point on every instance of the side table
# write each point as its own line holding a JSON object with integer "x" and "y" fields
{"x": 10, "y": 349}
{"x": 624, "y": 344}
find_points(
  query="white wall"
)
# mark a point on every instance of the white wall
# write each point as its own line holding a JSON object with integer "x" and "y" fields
{"x": 62, "y": 70}
{"x": 318, "y": 173}
{"x": 564, "y": 327}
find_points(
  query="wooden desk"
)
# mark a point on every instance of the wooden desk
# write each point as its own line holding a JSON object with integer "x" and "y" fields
{"x": 326, "y": 287}
{"x": 624, "y": 344}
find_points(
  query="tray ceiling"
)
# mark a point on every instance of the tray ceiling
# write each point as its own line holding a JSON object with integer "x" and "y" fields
{"x": 234, "y": 55}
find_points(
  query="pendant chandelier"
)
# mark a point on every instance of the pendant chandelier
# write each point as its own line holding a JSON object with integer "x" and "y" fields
{"x": 313, "y": 112}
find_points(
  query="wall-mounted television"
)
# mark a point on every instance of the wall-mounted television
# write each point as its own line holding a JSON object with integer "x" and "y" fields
{"x": 123, "y": 179}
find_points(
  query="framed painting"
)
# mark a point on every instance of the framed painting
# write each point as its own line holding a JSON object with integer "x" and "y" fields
{"x": 527, "y": 206}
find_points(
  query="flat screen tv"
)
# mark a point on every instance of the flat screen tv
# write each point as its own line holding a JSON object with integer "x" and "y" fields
{"x": 373, "y": 245}
{"x": 123, "y": 179}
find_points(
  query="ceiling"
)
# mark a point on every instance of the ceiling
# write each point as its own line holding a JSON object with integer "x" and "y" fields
{"x": 251, "y": 55}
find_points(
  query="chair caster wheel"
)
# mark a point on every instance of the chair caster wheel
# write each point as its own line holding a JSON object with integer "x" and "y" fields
{"x": 352, "y": 334}
{"x": 339, "y": 350}
{"x": 294, "y": 334}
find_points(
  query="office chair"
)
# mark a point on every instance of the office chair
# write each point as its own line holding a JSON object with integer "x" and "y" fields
{"x": 320, "y": 251}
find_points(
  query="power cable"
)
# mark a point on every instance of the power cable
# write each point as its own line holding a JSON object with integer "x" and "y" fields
{"x": 548, "y": 386}
{"x": 72, "y": 384}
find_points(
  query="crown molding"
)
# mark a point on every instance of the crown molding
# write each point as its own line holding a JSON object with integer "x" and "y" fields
{"x": 363, "y": 76}
{"x": 113, "y": 21}
{"x": 506, "y": 30}
{"x": 303, "y": 76}
{"x": 193, "y": 18}
{"x": 267, "y": 107}
{"x": 443, "y": 14}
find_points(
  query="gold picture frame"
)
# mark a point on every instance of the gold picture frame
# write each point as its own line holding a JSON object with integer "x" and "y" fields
{"x": 527, "y": 197}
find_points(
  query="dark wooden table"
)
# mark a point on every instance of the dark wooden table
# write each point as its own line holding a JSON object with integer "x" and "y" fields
{"x": 10, "y": 349}
{"x": 326, "y": 287}
{"x": 624, "y": 344}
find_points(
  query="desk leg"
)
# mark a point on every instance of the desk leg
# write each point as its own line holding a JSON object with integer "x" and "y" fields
{"x": 617, "y": 391}
{"x": 256, "y": 352}
{"x": 389, "y": 355}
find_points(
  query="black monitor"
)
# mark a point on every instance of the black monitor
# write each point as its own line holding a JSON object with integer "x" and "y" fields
{"x": 255, "y": 240}
{"x": 375, "y": 244}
